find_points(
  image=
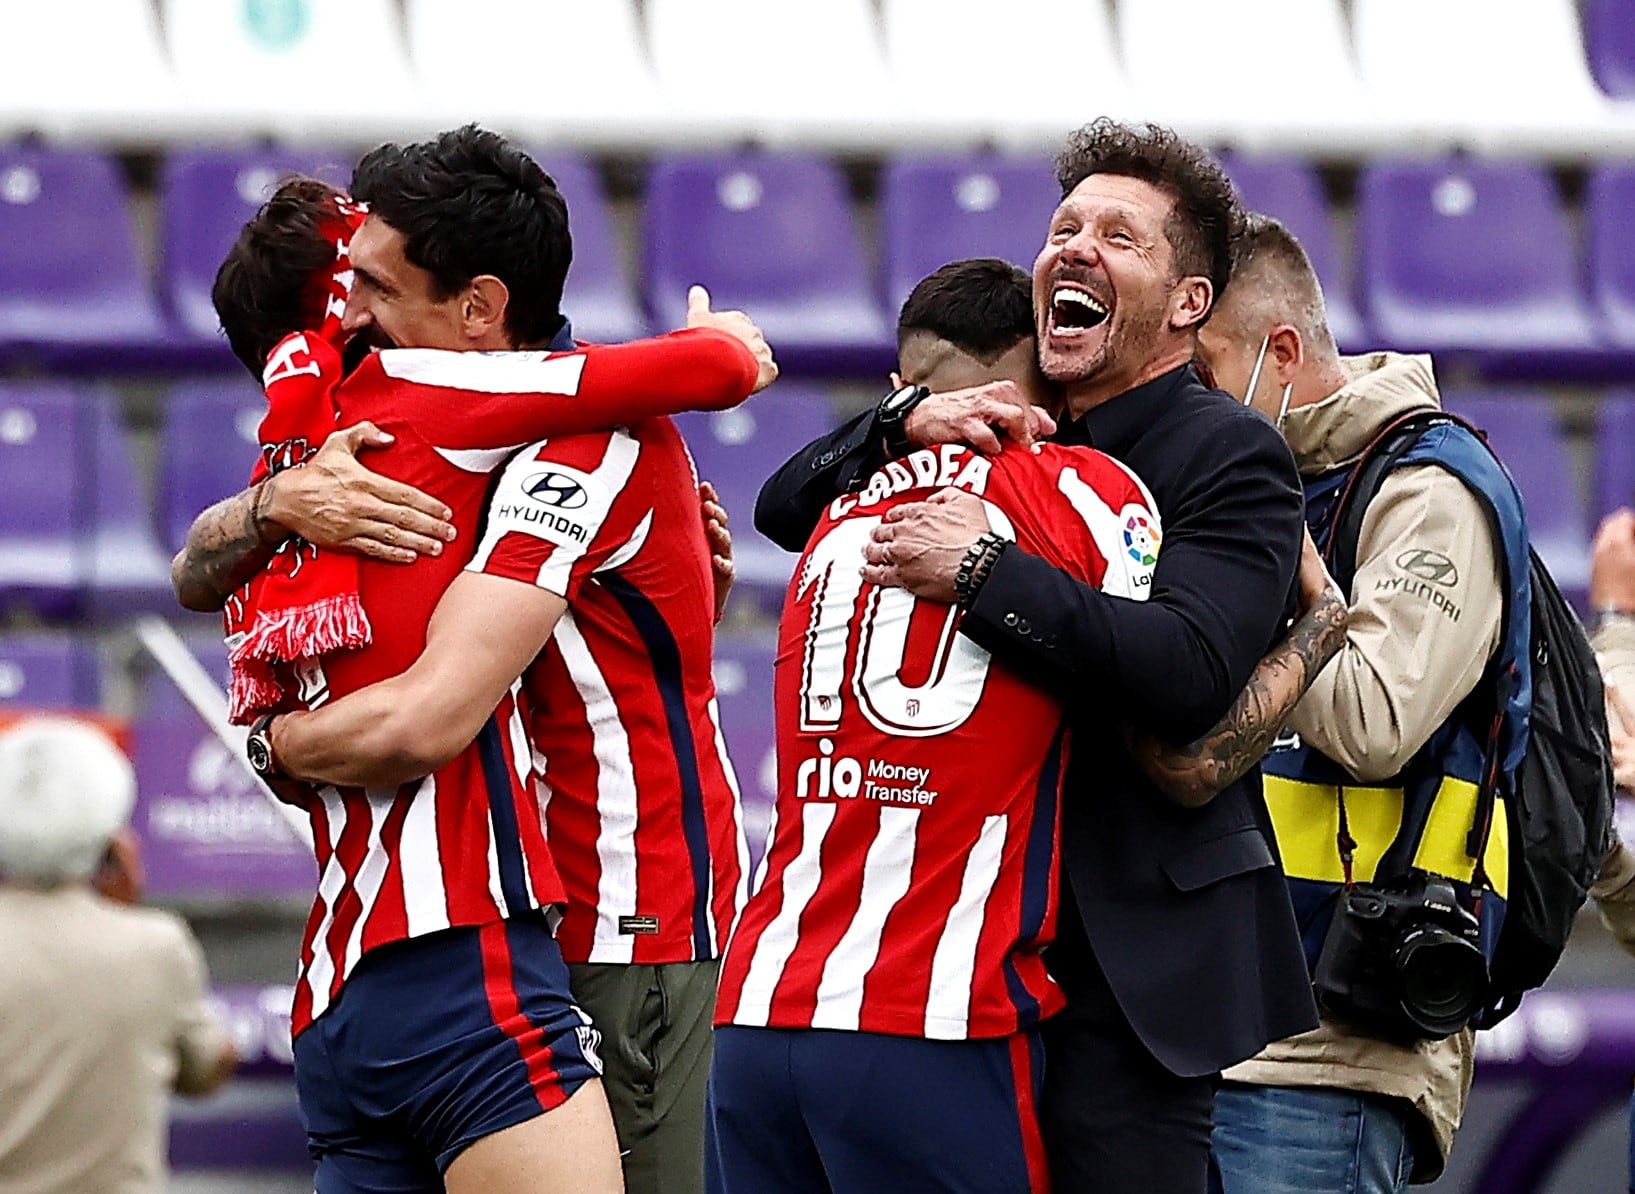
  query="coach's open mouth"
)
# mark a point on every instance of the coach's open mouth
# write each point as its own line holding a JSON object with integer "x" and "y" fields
{"x": 1074, "y": 309}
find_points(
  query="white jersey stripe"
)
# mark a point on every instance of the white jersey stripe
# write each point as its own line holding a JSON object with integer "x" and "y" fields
{"x": 486, "y": 373}
{"x": 740, "y": 840}
{"x": 477, "y": 460}
{"x": 424, "y": 897}
{"x": 953, "y": 967}
{"x": 321, "y": 973}
{"x": 886, "y": 872}
{"x": 496, "y": 888}
{"x": 522, "y": 761}
{"x": 627, "y": 550}
{"x": 778, "y": 941}
{"x": 371, "y": 873}
{"x": 615, "y": 797}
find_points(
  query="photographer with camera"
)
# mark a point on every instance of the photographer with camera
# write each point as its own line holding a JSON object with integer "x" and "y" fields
{"x": 1373, "y": 785}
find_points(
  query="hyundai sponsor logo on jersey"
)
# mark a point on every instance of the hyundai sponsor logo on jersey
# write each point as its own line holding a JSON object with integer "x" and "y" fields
{"x": 556, "y": 489}
{"x": 559, "y": 505}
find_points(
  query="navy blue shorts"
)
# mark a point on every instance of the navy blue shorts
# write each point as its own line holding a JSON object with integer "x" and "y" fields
{"x": 814, "y": 1111}
{"x": 434, "y": 1043}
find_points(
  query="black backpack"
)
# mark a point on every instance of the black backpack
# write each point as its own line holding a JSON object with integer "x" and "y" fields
{"x": 1560, "y": 796}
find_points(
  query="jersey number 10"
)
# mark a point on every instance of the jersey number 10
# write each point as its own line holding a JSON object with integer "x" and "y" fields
{"x": 844, "y": 608}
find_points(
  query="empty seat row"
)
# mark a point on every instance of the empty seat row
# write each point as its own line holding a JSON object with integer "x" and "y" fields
{"x": 653, "y": 71}
{"x": 1462, "y": 253}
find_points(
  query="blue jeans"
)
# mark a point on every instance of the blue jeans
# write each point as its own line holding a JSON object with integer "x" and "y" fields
{"x": 1308, "y": 1140}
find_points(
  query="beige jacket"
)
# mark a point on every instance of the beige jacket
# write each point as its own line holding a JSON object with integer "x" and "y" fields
{"x": 1425, "y": 618}
{"x": 103, "y": 1012}
{"x": 1614, "y": 890}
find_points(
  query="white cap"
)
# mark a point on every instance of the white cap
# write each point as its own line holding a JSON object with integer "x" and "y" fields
{"x": 65, "y": 790}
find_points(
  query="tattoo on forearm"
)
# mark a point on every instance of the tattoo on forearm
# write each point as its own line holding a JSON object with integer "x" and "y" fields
{"x": 225, "y": 547}
{"x": 1196, "y": 771}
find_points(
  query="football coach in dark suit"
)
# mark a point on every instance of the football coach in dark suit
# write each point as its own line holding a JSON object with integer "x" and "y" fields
{"x": 1176, "y": 946}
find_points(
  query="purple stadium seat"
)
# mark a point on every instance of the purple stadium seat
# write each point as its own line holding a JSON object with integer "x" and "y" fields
{"x": 934, "y": 210}
{"x": 1522, "y": 429}
{"x": 736, "y": 450}
{"x": 48, "y": 671}
{"x": 45, "y": 514}
{"x": 206, "y": 196}
{"x": 1469, "y": 254}
{"x": 73, "y": 522}
{"x": 209, "y": 448}
{"x": 743, "y": 689}
{"x": 1609, "y": 38}
{"x": 1292, "y": 192}
{"x": 598, "y": 298}
{"x": 207, "y": 831}
{"x": 1615, "y": 454}
{"x": 69, "y": 274}
{"x": 771, "y": 234}
{"x": 1608, "y": 201}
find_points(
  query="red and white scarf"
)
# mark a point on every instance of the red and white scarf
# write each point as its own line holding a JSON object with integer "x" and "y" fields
{"x": 305, "y": 602}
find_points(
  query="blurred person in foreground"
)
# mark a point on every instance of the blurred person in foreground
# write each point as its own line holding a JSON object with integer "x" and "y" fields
{"x": 1176, "y": 945}
{"x": 103, "y": 1006}
{"x": 1345, "y": 1109}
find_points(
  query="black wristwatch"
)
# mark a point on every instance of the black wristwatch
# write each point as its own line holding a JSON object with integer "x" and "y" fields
{"x": 258, "y": 748}
{"x": 891, "y": 418}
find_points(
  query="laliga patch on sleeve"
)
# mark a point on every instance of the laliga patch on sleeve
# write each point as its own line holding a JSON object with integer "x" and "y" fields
{"x": 548, "y": 501}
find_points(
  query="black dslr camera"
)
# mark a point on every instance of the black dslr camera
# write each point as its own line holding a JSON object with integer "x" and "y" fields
{"x": 1403, "y": 959}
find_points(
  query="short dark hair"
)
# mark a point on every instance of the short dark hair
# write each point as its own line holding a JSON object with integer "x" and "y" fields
{"x": 982, "y": 306}
{"x": 263, "y": 290}
{"x": 469, "y": 202}
{"x": 1280, "y": 283}
{"x": 1207, "y": 214}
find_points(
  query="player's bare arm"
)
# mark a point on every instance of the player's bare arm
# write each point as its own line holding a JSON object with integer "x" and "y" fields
{"x": 332, "y": 501}
{"x": 1193, "y": 774}
{"x": 483, "y": 634}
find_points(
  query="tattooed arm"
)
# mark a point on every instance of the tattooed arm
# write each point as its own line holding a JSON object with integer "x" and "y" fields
{"x": 226, "y": 545}
{"x": 1191, "y": 775}
{"x": 332, "y": 501}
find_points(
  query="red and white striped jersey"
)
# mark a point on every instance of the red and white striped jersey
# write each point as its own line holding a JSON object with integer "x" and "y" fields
{"x": 909, "y": 886}
{"x": 641, "y": 804}
{"x": 466, "y": 845}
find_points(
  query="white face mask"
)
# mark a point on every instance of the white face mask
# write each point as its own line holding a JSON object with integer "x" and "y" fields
{"x": 1254, "y": 380}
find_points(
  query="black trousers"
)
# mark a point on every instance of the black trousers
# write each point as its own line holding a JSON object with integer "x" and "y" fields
{"x": 1115, "y": 1121}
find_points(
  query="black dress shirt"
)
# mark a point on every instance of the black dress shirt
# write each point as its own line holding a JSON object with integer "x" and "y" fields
{"x": 1183, "y": 910}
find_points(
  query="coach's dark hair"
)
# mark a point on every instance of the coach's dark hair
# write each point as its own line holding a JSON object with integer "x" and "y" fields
{"x": 982, "y": 306}
{"x": 1207, "y": 216}
{"x": 469, "y": 203}
{"x": 262, "y": 291}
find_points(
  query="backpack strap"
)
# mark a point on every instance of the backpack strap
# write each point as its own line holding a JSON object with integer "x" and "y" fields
{"x": 1367, "y": 475}
{"x": 1394, "y": 440}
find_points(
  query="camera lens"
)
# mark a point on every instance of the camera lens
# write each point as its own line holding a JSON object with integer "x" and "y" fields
{"x": 1444, "y": 977}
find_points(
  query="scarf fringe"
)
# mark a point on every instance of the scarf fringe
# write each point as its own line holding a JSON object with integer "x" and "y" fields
{"x": 286, "y": 635}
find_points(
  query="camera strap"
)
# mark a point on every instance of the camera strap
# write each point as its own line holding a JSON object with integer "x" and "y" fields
{"x": 1346, "y": 844}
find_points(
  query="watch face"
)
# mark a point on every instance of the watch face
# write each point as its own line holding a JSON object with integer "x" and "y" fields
{"x": 899, "y": 400}
{"x": 260, "y": 754}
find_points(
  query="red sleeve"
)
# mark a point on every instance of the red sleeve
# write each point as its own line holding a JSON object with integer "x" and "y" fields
{"x": 467, "y": 400}
{"x": 560, "y": 510}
